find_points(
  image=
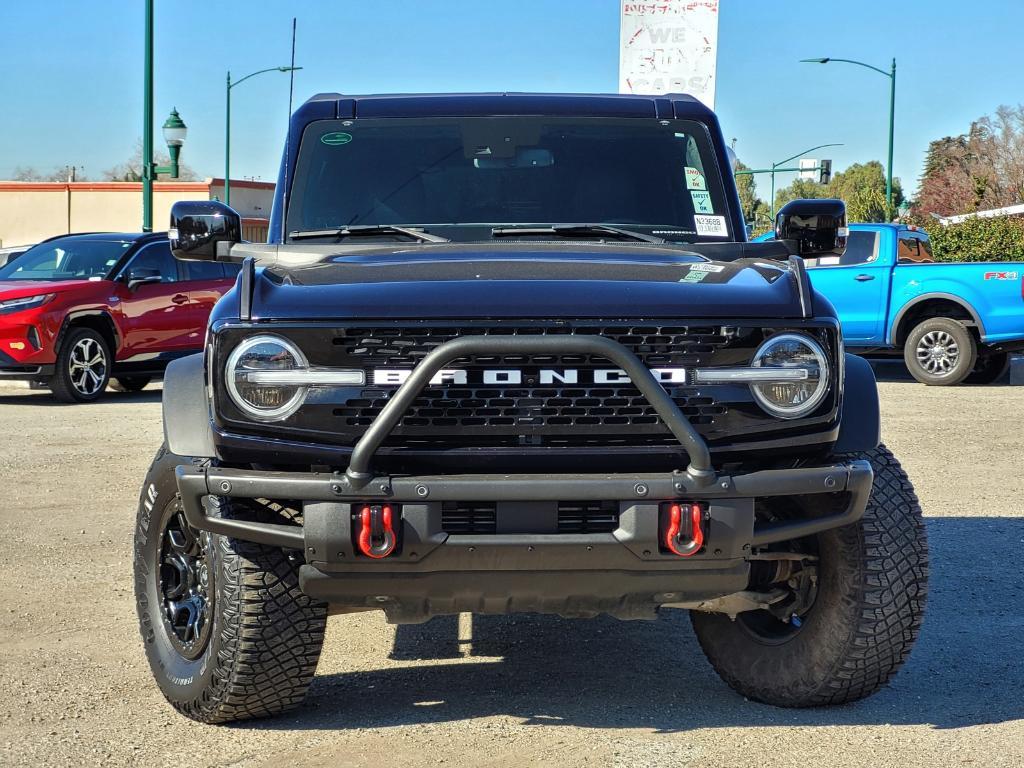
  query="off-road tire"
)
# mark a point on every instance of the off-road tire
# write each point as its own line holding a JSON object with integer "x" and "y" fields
{"x": 872, "y": 584}
{"x": 988, "y": 369}
{"x": 265, "y": 637}
{"x": 967, "y": 353}
{"x": 61, "y": 385}
{"x": 131, "y": 383}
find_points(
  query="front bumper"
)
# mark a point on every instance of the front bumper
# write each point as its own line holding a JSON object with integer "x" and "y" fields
{"x": 624, "y": 571}
{"x": 13, "y": 369}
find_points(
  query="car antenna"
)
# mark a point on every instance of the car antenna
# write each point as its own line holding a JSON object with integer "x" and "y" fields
{"x": 288, "y": 134}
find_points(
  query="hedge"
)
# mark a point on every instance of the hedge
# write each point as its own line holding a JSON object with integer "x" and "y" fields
{"x": 991, "y": 239}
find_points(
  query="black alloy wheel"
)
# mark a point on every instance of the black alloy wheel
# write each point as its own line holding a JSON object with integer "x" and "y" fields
{"x": 185, "y": 585}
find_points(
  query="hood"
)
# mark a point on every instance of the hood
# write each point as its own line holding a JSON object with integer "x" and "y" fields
{"x": 525, "y": 281}
{"x": 16, "y": 289}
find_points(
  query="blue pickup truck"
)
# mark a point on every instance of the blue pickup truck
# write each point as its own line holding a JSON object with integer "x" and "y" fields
{"x": 952, "y": 322}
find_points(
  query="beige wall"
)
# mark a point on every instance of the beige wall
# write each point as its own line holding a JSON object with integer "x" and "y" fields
{"x": 249, "y": 200}
{"x": 30, "y": 211}
{"x": 31, "y": 215}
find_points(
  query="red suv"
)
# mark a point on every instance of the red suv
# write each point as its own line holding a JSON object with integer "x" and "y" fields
{"x": 77, "y": 310}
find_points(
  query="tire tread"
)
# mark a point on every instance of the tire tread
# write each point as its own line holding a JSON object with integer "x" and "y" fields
{"x": 890, "y": 601}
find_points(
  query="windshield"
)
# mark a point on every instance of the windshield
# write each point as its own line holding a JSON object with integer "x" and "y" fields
{"x": 67, "y": 259}
{"x": 451, "y": 175}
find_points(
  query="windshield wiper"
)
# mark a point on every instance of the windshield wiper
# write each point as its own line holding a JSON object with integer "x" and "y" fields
{"x": 577, "y": 230}
{"x": 369, "y": 229}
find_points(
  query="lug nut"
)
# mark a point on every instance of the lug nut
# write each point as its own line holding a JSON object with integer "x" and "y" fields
{"x": 641, "y": 489}
{"x": 225, "y": 487}
{"x": 422, "y": 491}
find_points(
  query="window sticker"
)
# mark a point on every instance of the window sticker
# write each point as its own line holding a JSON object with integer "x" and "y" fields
{"x": 710, "y": 226}
{"x": 702, "y": 267}
{"x": 694, "y": 178}
{"x": 701, "y": 202}
{"x": 336, "y": 139}
{"x": 694, "y": 277}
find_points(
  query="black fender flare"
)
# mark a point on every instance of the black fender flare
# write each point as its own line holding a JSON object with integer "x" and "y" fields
{"x": 860, "y": 427}
{"x": 893, "y": 331}
{"x": 186, "y": 409}
{"x": 71, "y": 319}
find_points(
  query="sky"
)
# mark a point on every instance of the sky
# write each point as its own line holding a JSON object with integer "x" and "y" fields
{"x": 71, "y": 92}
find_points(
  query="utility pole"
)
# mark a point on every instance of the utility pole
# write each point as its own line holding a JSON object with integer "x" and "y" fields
{"x": 174, "y": 131}
{"x": 147, "y": 124}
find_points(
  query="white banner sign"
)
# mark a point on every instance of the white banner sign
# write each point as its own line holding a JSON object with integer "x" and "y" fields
{"x": 669, "y": 46}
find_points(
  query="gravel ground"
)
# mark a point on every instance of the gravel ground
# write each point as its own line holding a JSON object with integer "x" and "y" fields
{"x": 75, "y": 688}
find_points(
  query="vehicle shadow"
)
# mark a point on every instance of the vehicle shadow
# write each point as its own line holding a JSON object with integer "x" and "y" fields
{"x": 604, "y": 673}
{"x": 894, "y": 371}
{"x": 42, "y": 397}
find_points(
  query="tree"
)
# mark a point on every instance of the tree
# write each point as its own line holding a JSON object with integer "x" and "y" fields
{"x": 131, "y": 169}
{"x": 60, "y": 173}
{"x": 978, "y": 170}
{"x": 862, "y": 187}
{"x": 800, "y": 188}
{"x": 755, "y": 210}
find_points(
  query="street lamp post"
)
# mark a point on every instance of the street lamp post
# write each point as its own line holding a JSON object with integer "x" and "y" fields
{"x": 227, "y": 124}
{"x": 891, "y": 74}
{"x": 777, "y": 168}
{"x": 174, "y": 130}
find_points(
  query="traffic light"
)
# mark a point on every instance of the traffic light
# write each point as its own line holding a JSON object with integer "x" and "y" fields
{"x": 824, "y": 171}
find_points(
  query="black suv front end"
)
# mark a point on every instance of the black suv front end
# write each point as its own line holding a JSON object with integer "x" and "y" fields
{"x": 569, "y": 467}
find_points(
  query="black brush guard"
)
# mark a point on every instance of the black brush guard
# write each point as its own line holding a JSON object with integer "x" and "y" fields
{"x": 624, "y": 572}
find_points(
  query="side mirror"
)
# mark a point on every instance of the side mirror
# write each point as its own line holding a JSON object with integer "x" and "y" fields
{"x": 203, "y": 230}
{"x": 817, "y": 226}
{"x": 141, "y": 276}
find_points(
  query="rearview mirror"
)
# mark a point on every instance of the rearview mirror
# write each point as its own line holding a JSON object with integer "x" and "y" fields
{"x": 817, "y": 226}
{"x": 525, "y": 157}
{"x": 203, "y": 230}
{"x": 141, "y": 276}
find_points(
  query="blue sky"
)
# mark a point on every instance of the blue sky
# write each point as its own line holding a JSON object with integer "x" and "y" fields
{"x": 72, "y": 90}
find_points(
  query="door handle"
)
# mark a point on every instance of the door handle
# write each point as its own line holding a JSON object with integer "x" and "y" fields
{"x": 864, "y": 278}
{"x": 180, "y": 298}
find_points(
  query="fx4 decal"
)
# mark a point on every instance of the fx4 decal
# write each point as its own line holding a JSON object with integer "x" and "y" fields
{"x": 1000, "y": 275}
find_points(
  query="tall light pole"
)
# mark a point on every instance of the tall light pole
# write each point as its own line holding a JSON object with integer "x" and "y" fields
{"x": 891, "y": 74}
{"x": 227, "y": 124}
{"x": 174, "y": 130}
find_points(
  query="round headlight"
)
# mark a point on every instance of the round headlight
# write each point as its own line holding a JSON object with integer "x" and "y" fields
{"x": 265, "y": 401}
{"x": 797, "y": 356}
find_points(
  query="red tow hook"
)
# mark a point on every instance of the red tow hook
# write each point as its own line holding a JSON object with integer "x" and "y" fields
{"x": 377, "y": 537}
{"x": 675, "y": 518}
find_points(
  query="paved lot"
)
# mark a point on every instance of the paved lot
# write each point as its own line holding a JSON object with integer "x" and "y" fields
{"x": 75, "y": 688}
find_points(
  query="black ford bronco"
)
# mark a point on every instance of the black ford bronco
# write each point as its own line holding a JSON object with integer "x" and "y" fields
{"x": 513, "y": 353}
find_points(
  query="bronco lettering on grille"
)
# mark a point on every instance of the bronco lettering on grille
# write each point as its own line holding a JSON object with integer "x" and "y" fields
{"x": 516, "y": 376}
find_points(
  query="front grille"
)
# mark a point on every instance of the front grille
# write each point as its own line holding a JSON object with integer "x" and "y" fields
{"x": 654, "y": 344}
{"x": 481, "y": 517}
{"x": 527, "y": 413}
{"x": 586, "y": 414}
{"x": 505, "y": 407}
{"x": 588, "y": 516}
{"x": 467, "y": 517}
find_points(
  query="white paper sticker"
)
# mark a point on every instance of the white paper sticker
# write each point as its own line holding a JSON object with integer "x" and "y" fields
{"x": 702, "y": 267}
{"x": 710, "y": 226}
{"x": 701, "y": 202}
{"x": 694, "y": 178}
